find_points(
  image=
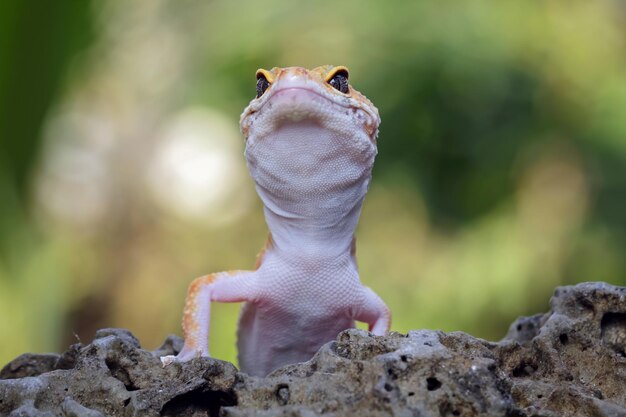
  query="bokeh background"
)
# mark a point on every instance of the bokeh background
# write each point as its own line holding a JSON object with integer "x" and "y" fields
{"x": 501, "y": 170}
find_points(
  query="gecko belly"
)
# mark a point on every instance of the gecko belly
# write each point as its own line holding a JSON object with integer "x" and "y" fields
{"x": 265, "y": 343}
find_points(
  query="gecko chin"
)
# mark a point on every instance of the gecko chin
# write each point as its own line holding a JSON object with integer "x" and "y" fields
{"x": 300, "y": 108}
{"x": 297, "y": 104}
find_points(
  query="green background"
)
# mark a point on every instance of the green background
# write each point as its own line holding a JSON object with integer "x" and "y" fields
{"x": 501, "y": 171}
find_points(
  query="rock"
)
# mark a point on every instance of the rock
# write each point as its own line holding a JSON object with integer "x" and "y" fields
{"x": 422, "y": 372}
{"x": 113, "y": 376}
{"x": 29, "y": 364}
{"x": 570, "y": 361}
{"x": 71, "y": 408}
{"x": 122, "y": 334}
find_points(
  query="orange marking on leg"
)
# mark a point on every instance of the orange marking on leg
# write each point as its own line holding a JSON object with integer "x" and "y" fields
{"x": 193, "y": 302}
{"x": 190, "y": 324}
{"x": 269, "y": 243}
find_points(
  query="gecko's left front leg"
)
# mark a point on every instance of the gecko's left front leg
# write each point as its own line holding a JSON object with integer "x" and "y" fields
{"x": 374, "y": 312}
{"x": 227, "y": 287}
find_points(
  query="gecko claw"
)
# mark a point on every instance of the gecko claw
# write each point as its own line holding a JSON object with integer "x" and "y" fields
{"x": 166, "y": 360}
{"x": 185, "y": 355}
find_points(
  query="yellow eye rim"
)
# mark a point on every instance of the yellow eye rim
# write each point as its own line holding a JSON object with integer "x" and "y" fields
{"x": 268, "y": 75}
{"x": 334, "y": 71}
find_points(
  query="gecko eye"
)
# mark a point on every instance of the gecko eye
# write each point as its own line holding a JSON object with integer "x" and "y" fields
{"x": 339, "y": 81}
{"x": 261, "y": 84}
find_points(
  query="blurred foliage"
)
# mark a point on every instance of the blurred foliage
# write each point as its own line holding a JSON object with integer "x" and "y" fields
{"x": 37, "y": 42}
{"x": 501, "y": 171}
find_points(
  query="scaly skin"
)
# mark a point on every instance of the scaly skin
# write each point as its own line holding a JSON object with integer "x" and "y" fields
{"x": 310, "y": 149}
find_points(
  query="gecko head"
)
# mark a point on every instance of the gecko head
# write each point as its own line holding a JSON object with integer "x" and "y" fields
{"x": 320, "y": 97}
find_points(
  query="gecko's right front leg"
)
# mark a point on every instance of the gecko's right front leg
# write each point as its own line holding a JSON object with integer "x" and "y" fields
{"x": 227, "y": 287}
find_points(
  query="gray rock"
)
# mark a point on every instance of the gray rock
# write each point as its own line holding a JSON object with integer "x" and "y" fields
{"x": 570, "y": 361}
{"x": 29, "y": 364}
{"x": 113, "y": 376}
{"x": 71, "y": 408}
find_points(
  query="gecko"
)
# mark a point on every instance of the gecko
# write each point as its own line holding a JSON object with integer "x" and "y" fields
{"x": 310, "y": 144}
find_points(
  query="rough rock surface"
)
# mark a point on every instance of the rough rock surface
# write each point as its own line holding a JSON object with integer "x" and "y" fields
{"x": 568, "y": 362}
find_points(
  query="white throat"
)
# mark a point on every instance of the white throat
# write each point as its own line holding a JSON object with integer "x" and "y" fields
{"x": 312, "y": 181}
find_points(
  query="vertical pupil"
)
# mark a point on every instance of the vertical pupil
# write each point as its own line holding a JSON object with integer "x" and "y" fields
{"x": 261, "y": 85}
{"x": 339, "y": 82}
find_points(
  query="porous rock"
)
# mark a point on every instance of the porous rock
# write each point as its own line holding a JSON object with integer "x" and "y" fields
{"x": 113, "y": 376}
{"x": 570, "y": 361}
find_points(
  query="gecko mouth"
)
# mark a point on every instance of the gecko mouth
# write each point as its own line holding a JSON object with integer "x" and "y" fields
{"x": 299, "y": 95}
{"x": 296, "y": 90}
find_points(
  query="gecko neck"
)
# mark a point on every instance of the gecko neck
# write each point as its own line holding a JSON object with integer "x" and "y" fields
{"x": 314, "y": 237}
{"x": 312, "y": 182}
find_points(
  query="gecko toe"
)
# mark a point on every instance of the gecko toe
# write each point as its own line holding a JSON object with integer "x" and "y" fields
{"x": 166, "y": 360}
